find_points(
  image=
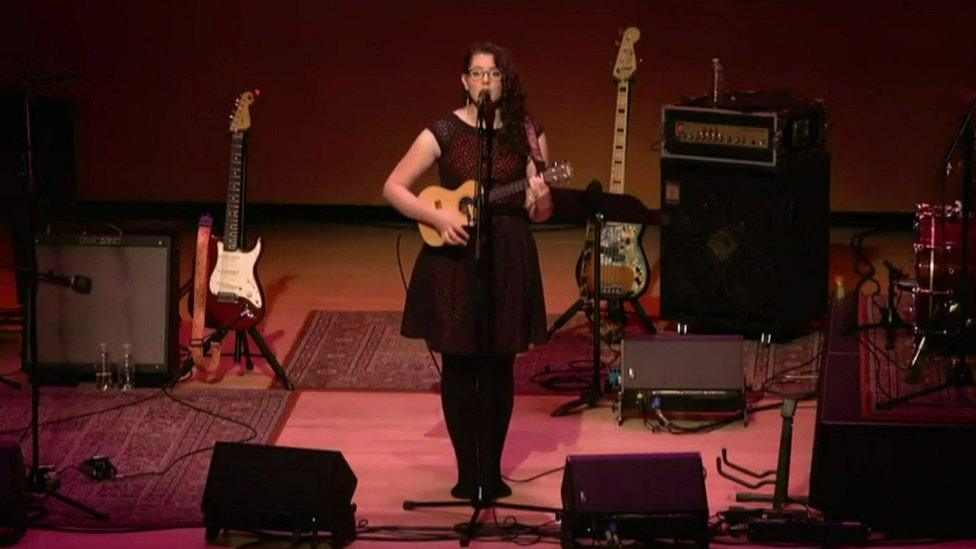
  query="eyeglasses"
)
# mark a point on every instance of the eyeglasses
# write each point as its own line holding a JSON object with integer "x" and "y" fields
{"x": 493, "y": 74}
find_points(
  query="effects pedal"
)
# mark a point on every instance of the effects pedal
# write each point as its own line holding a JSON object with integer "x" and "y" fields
{"x": 98, "y": 468}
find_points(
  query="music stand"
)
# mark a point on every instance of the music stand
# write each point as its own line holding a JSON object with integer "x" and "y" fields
{"x": 597, "y": 207}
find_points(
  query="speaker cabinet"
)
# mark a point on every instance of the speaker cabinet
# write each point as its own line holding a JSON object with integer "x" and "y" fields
{"x": 745, "y": 248}
{"x": 688, "y": 372}
{"x": 13, "y": 487}
{"x": 643, "y": 497}
{"x": 898, "y": 477}
{"x": 260, "y": 487}
{"x": 133, "y": 299}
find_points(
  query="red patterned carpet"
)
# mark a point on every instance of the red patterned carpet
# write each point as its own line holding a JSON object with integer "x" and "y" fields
{"x": 364, "y": 350}
{"x": 142, "y": 431}
{"x": 896, "y": 390}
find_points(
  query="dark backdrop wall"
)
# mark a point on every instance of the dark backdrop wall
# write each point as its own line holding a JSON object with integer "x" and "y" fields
{"x": 346, "y": 86}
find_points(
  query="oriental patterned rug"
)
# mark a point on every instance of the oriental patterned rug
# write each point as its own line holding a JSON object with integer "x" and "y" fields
{"x": 364, "y": 350}
{"x": 163, "y": 446}
{"x": 901, "y": 388}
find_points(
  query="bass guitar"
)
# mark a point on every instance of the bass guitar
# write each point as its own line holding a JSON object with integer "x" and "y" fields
{"x": 461, "y": 201}
{"x": 623, "y": 264}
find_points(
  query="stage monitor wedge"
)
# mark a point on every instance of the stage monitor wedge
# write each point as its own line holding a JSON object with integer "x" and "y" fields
{"x": 645, "y": 497}
{"x": 262, "y": 487}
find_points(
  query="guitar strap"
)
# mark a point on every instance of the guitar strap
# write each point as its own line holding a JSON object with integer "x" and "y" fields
{"x": 533, "y": 139}
{"x": 205, "y": 363}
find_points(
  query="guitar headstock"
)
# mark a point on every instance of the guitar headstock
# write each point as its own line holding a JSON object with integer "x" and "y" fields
{"x": 626, "y": 64}
{"x": 560, "y": 172}
{"x": 240, "y": 119}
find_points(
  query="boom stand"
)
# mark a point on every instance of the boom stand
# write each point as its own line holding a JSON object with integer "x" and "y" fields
{"x": 39, "y": 481}
{"x": 592, "y": 394}
{"x": 890, "y": 320}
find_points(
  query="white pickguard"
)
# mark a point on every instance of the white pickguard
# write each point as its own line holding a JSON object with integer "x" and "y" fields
{"x": 233, "y": 275}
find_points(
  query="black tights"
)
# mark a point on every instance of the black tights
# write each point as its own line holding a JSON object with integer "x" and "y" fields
{"x": 477, "y": 394}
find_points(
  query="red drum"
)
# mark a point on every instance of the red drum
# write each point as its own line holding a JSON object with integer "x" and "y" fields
{"x": 938, "y": 259}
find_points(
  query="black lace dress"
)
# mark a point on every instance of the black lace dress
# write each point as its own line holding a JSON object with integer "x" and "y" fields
{"x": 458, "y": 307}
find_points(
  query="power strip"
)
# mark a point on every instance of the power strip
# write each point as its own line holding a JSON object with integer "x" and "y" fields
{"x": 796, "y": 530}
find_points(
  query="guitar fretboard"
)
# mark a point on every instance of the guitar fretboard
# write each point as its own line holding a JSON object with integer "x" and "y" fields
{"x": 232, "y": 219}
{"x": 508, "y": 189}
{"x": 619, "y": 139}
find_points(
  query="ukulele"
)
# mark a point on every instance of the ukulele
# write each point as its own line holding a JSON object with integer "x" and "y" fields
{"x": 461, "y": 201}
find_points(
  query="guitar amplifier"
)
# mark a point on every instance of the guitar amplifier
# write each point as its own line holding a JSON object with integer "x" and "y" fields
{"x": 683, "y": 373}
{"x": 756, "y": 128}
{"x": 133, "y": 299}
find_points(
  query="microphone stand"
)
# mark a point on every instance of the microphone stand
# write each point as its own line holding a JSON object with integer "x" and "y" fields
{"x": 890, "y": 319}
{"x": 591, "y": 396}
{"x": 484, "y": 309}
{"x": 39, "y": 481}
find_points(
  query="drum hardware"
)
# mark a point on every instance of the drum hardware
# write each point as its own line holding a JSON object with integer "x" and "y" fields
{"x": 959, "y": 324}
{"x": 890, "y": 320}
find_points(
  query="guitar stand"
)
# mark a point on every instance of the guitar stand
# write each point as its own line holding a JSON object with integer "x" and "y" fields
{"x": 240, "y": 344}
{"x": 779, "y": 477}
{"x": 585, "y": 303}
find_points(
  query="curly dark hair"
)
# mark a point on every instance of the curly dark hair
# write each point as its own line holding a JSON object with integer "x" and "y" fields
{"x": 512, "y": 104}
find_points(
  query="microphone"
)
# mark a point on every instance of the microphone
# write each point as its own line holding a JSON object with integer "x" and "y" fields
{"x": 486, "y": 109}
{"x": 484, "y": 99}
{"x": 80, "y": 284}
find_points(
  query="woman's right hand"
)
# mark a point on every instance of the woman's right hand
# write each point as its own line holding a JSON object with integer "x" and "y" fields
{"x": 452, "y": 231}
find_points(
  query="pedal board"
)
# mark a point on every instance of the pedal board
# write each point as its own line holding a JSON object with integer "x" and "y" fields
{"x": 681, "y": 373}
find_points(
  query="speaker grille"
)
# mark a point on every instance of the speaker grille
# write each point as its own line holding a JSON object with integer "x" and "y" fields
{"x": 746, "y": 247}
{"x": 132, "y": 300}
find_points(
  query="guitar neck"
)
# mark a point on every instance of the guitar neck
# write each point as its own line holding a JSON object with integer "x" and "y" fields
{"x": 508, "y": 189}
{"x": 619, "y": 139}
{"x": 235, "y": 185}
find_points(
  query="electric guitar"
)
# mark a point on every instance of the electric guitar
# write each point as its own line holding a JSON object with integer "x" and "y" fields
{"x": 461, "y": 201}
{"x": 623, "y": 265}
{"x": 235, "y": 300}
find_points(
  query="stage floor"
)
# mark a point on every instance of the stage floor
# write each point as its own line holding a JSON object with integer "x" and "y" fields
{"x": 396, "y": 442}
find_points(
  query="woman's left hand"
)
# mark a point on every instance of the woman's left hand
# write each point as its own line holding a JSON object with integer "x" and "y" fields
{"x": 538, "y": 200}
{"x": 537, "y": 189}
